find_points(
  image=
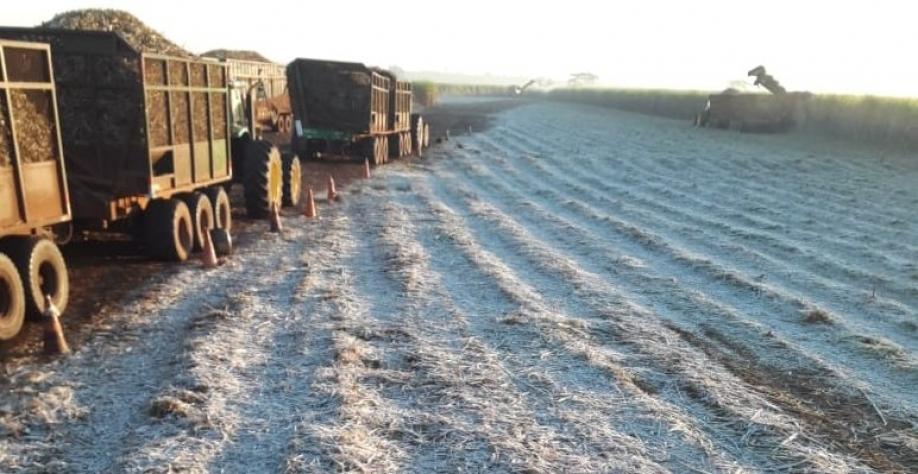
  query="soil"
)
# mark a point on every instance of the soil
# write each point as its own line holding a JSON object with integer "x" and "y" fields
{"x": 566, "y": 289}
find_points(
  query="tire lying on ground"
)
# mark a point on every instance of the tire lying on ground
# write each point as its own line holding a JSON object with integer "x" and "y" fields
{"x": 202, "y": 216}
{"x": 293, "y": 176}
{"x": 223, "y": 212}
{"x": 43, "y": 271}
{"x": 263, "y": 178}
{"x": 168, "y": 231}
{"x": 223, "y": 242}
{"x": 12, "y": 300}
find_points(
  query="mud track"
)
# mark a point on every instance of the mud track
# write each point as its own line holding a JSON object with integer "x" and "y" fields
{"x": 570, "y": 290}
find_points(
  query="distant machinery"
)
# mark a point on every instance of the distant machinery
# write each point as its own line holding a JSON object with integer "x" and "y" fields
{"x": 753, "y": 112}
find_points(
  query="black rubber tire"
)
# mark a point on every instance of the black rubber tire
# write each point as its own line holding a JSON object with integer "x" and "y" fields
{"x": 12, "y": 300}
{"x": 223, "y": 212}
{"x": 168, "y": 231}
{"x": 202, "y": 216}
{"x": 43, "y": 271}
{"x": 263, "y": 178}
{"x": 223, "y": 242}
{"x": 293, "y": 179}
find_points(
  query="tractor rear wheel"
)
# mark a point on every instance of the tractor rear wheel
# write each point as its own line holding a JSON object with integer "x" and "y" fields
{"x": 12, "y": 300}
{"x": 223, "y": 212}
{"x": 168, "y": 230}
{"x": 202, "y": 216}
{"x": 293, "y": 179}
{"x": 43, "y": 271}
{"x": 263, "y": 178}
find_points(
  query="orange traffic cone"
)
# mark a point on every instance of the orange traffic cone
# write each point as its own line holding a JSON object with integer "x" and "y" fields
{"x": 276, "y": 225}
{"x": 209, "y": 253}
{"x": 332, "y": 193}
{"x": 55, "y": 343}
{"x": 366, "y": 168}
{"x": 310, "y": 210}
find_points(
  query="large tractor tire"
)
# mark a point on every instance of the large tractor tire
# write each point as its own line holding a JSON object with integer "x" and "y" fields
{"x": 263, "y": 178}
{"x": 12, "y": 300}
{"x": 168, "y": 230}
{"x": 43, "y": 271}
{"x": 293, "y": 179}
{"x": 220, "y": 202}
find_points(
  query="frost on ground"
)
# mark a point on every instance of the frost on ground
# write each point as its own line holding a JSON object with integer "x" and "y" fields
{"x": 572, "y": 290}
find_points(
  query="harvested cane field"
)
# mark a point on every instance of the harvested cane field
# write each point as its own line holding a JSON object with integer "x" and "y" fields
{"x": 573, "y": 289}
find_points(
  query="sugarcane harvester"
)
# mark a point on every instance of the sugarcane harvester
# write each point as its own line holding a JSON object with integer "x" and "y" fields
{"x": 776, "y": 111}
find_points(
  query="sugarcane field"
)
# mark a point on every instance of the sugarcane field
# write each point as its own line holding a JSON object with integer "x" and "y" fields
{"x": 636, "y": 237}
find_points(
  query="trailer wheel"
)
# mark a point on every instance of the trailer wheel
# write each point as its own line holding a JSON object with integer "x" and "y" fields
{"x": 263, "y": 178}
{"x": 293, "y": 179}
{"x": 371, "y": 150}
{"x": 43, "y": 271}
{"x": 12, "y": 300}
{"x": 168, "y": 231}
{"x": 202, "y": 216}
{"x": 223, "y": 212}
{"x": 385, "y": 149}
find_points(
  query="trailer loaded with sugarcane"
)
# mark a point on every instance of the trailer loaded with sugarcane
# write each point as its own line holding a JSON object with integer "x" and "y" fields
{"x": 344, "y": 107}
{"x": 34, "y": 202}
{"x": 148, "y": 141}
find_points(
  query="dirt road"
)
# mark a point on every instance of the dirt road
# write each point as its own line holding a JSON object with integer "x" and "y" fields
{"x": 572, "y": 290}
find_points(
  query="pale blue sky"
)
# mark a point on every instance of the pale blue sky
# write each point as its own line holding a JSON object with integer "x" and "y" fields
{"x": 841, "y": 46}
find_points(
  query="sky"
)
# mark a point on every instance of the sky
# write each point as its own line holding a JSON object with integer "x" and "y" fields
{"x": 859, "y": 47}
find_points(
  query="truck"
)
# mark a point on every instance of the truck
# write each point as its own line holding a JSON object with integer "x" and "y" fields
{"x": 775, "y": 111}
{"x": 34, "y": 198}
{"x": 350, "y": 108}
{"x": 147, "y": 141}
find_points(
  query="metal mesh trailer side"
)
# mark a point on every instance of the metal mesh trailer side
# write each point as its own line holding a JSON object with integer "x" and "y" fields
{"x": 33, "y": 189}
